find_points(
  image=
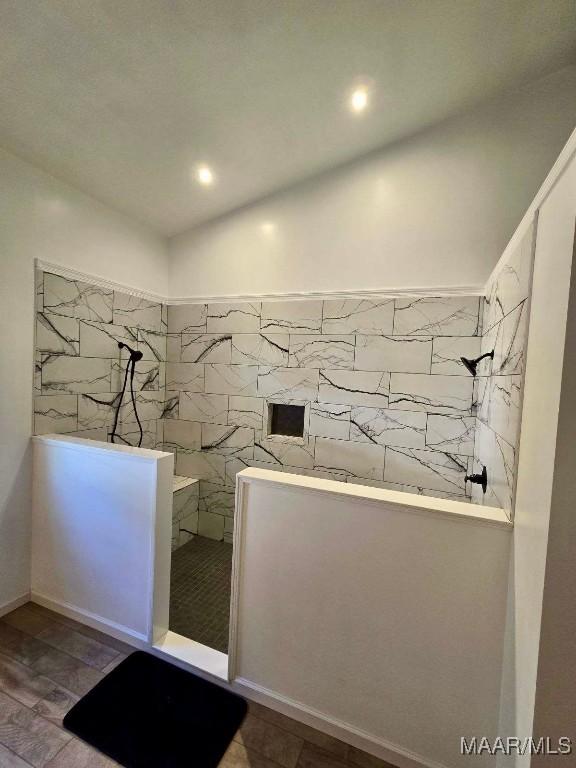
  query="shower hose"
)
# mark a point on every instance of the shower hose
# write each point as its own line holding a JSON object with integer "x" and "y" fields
{"x": 130, "y": 369}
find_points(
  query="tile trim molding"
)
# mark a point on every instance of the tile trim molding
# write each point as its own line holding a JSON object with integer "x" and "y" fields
{"x": 87, "y": 277}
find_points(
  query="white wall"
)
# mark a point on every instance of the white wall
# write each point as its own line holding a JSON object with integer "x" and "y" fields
{"x": 433, "y": 211}
{"x": 544, "y": 452}
{"x": 41, "y": 217}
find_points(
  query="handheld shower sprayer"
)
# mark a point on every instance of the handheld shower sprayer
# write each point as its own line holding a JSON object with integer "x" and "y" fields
{"x": 472, "y": 365}
{"x": 135, "y": 356}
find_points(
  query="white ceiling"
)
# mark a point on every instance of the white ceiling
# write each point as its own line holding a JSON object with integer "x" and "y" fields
{"x": 122, "y": 98}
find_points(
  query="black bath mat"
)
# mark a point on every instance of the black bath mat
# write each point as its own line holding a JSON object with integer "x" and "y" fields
{"x": 148, "y": 713}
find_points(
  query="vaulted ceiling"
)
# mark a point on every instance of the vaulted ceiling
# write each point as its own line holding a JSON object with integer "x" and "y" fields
{"x": 124, "y": 98}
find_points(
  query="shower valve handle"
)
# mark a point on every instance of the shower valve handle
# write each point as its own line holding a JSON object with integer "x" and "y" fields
{"x": 481, "y": 479}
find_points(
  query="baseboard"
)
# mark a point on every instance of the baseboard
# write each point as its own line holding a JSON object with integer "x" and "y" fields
{"x": 11, "y": 605}
{"x": 118, "y": 631}
{"x": 347, "y": 733}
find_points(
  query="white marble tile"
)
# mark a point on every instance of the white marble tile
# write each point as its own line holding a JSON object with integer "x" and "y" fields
{"x": 224, "y": 379}
{"x": 147, "y": 376}
{"x": 61, "y": 373}
{"x": 353, "y": 459}
{"x": 362, "y": 316}
{"x": 290, "y": 383}
{"x": 407, "y": 354}
{"x": 136, "y": 312}
{"x": 502, "y": 406}
{"x": 171, "y": 405}
{"x": 228, "y": 440}
{"x": 57, "y": 334}
{"x": 217, "y": 499}
{"x": 285, "y": 453}
{"x": 368, "y": 388}
{"x": 414, "y": 489}
{"x": 150, "y": 404}
{"x": 185, "y": 435}
{"x": 210, "y": 409}
{"x": 39, "y": 290}
{"x": 173, "y": 347}
{"x": 499, "y": 458}
{"x": 55, "y": 413}
{"x": 246, "y": 411}
{"x": 434, "y": 394}
{"x": 96, "y": 410}
{"x": 487, "y": 344}
{"x": 100, "y": 434}
{"x": 437, "y": 316}
{"x": 260, "y": 348}
{"x": 511, "y": 284}
{"x": 426, "y": 469}
{"x": 185, "y": 501}
{"x": 187, "y": 377}
{"x": 453, "y": 434}
{"x": 328, "y": 420}
{"x": 447, "y": 351}
{"x": 211, "y": 526}
{"x": 129, "y": 434}
{"x": 511, "y": 340}
{"x": 206, "y": 348}
{"x": 293, "y": 316}
{"x": 311, "y": 351}
{"x": 243, "y": 317}
{"x": 202, "y": 465}
{"x": 152, "y": 344}
{"x": 383, "y": 426}
{"x": 187, "y": 318}
{"x": 73, "y": 298}
{"x": 102, "y": 339}
{"x": 187, "y": 528}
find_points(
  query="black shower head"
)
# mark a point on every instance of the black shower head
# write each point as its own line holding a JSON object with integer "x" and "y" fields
{"x": 134, "y": 354}
{"x": 472, "y": 365}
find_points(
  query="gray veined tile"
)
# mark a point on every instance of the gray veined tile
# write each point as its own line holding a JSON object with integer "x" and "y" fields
{"x": 310, "y": 351}
{"x": 146, "y": 376}
{"x": 350, "y": 458}
{"x": 211, "y": 525}
{"x": 245, "y": 411}
{"x": 185, "y": 435}
{"x": 164, "y": 318}
{"x": 431, "y": 393}
{"x": 358, "y": 316}
{"x": 136, "y": 312}
{"x": 101, "y": 339}
{"x": 217, "y": 499}
{"x": 228, "y": 440}
{"x": 511, "y": 340}
{"x": 437, "y": 316}
{"x": 187, "y": 377}
{"x": 128, "y": 433}
{"x": 502, "y": 406}
{"x": 510, "y": 286}
{"x": 152, "y": 344}
{"x": 224, "y": 379}
{"x": 435, "y": 470}
{"x": 173, "y": 347}
{"x": 206, "y": 348}
{"x": 73, "y": 298}
{"x": 447, "y": 351}
{"x": 210, "y": 409}
{"x": 57, "y": 334}
{"x": 499, "y": 458}
{"x": 330, "y": 420}
{"x": 96, "y": 411}
{"x": 55, "y": 413}
{"x": 39, "y": 290}
{"x": 293, "y": 316}
{"x": 368, "y": 388}
{"x": 61, "y": 373}
{"x": 383, "y": 426}
{"x": 285, "y": 453}
{"x": 453, "y": 434}
{"x": 187, "y": 318}
{"x": 260, "y": 348}
{"x": 242, "y": 317}
{"x": 171, "y": 405}
{"x": 407, "y": 354}
{"x": 202, "y": 465}
{"x": 414, "y": 489}
{"x": 289, "y": 383}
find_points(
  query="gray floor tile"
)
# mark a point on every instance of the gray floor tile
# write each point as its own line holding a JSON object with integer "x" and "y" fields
{"x": 270, "y": 741}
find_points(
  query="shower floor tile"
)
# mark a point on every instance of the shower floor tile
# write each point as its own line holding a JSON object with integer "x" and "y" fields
{"x": 200, "y": 591}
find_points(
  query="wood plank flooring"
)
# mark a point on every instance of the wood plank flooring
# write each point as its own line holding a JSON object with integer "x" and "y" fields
{"x": 47, "y": 662}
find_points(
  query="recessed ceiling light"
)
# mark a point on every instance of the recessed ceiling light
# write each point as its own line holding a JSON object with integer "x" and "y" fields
{"x": 204, "y": 175}
{"x": 359, "y": 99}
{"x": 268, "y": 228}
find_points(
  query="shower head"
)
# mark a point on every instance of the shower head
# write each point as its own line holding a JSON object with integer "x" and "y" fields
{"x": 472, "y": 365}
{"x": 134, "y": 354}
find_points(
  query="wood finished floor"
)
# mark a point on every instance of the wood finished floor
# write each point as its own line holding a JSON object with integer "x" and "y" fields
{"x": 47, "y": 662}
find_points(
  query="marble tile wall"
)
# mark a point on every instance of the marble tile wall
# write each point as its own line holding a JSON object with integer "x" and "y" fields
{"x": 79, "y": 368}
{"x": 498, "y": 387}
{"x": 387, "y": 400}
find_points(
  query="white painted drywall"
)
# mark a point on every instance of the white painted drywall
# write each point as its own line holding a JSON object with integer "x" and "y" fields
{"x": 537, "y": 461}
{"x": 383, "y": 617}
{"x": 99, "y": 511}
{"x": 436, "y": 210}
{"x": 40, "y": 217}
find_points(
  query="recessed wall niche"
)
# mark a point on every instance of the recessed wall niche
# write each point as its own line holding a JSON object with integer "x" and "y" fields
{"x": 287, "y": 420}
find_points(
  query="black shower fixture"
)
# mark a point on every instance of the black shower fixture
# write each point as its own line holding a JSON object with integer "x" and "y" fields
{"x": 471, "y": 365}
{"x": 481, "y": 479}
{"x": 135, "y": 356}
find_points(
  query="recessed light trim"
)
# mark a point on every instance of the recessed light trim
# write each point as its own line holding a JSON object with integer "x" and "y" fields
{"x": 359, "y": 99}
{"x": 204, "y": 175}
